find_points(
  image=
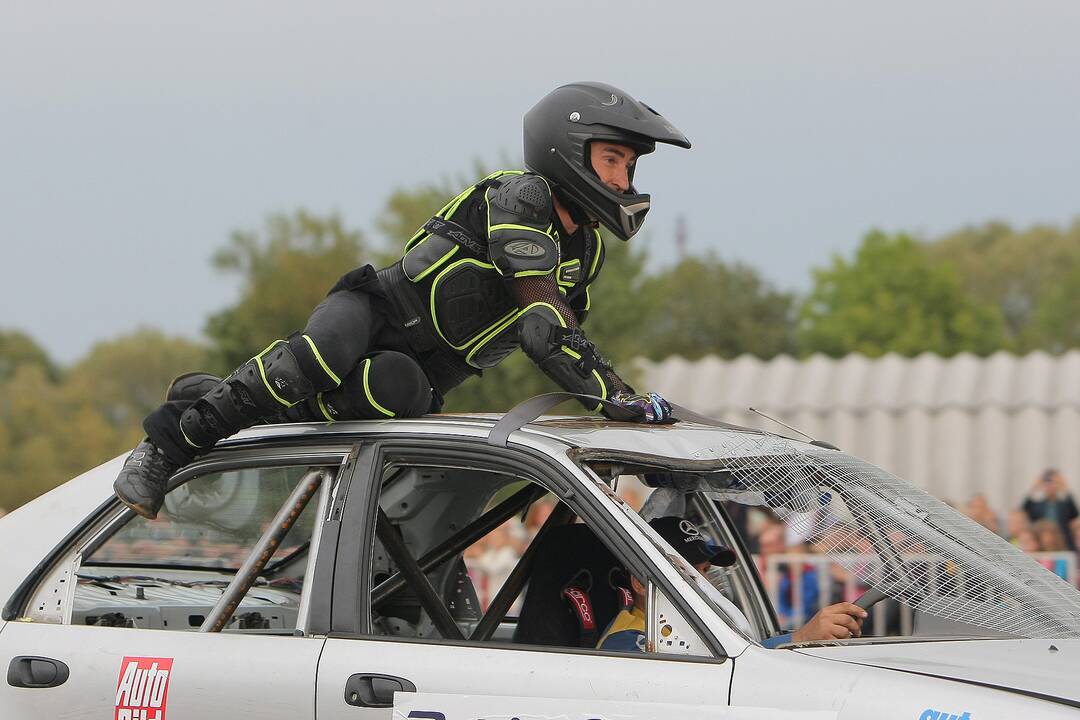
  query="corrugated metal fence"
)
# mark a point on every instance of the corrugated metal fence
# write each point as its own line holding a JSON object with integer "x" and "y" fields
{"x": 953, "y": 426}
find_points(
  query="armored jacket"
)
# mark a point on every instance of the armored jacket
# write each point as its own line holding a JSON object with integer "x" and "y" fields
{"x": 493, "y": 262}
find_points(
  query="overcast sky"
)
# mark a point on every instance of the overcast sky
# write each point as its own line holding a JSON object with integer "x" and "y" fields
{"x": 134, "y": 136}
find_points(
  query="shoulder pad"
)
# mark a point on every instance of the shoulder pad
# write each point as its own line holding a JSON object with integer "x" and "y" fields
{"x": 520, "y": 241}
{"x": 526, "y": 197}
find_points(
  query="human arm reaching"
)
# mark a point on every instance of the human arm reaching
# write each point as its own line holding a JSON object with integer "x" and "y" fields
{"x": 523, "y": 248}
{"x": 553, "y": 339}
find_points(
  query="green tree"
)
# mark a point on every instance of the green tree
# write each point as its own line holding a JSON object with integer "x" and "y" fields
{"x": 286, "y": 271}
{"x": 33, "y": 433}
{"x": 1055, "y": 323}
{"x": 406, "y": 209}
{"x": 51, "y": 432}
{"x": 620, "y": 309}
{"x": 125, "y": 378}
{"x": 1015, "y": 271}
{"x": 894, "y": 298}
{"x": 17, "y": 348}
{"x": 705, "y": 306}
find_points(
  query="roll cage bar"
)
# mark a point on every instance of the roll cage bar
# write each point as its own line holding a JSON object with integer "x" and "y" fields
{"x": 412, "y": 572}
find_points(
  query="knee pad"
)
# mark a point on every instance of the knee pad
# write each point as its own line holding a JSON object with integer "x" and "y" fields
{"x": 384, "y": 385}
{"x": 281, "y": 375}
{"x": 313, "y": 363}
{"x": 190, "y": 386}
{"x": 264, "y": 386}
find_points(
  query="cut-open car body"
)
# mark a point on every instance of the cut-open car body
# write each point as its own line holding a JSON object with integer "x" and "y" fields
{"x": 335, "y": 570}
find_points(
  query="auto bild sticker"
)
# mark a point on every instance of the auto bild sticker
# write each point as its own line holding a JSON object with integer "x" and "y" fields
{"x": 142, "y": 692}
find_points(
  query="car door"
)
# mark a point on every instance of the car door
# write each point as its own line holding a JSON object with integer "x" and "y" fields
{"x": 425, "y": 495}
{"x": 123, "y": 636}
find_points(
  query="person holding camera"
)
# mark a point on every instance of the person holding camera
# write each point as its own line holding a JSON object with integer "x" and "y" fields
{"x": 1049, "y": 499}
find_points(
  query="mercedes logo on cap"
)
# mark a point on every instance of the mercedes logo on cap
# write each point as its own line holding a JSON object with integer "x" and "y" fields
{"x": 689, "y": 529}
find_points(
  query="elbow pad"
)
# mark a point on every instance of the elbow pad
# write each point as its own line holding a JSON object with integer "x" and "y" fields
{"x": 563, "y": 354}
{"x": 520, "y": 240}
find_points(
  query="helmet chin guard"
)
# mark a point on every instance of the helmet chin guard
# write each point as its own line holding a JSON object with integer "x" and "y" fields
{"x": 558, "y": 130}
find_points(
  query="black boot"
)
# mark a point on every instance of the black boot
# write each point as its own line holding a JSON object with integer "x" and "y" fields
{"x": 142, "y": 481}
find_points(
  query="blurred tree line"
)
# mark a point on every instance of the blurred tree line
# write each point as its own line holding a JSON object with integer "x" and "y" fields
{"x": 980, "y": 289}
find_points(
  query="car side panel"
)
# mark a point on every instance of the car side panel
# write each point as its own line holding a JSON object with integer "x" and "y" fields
{"x": 892, "y": 695}
{"x": 790, "y": 680}
{"x": 462, "y": 670}
{"x": 212, "y": 674}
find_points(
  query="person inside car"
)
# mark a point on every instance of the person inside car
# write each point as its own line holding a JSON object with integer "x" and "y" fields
{"x": 507, "y": 263}
{"x": 626, "y": 632}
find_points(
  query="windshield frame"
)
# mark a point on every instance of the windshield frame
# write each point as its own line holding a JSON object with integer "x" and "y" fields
{"x": 1044, "y": 600}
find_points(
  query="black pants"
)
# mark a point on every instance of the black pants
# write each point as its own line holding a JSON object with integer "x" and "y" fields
{"x": 361, "y": 344}
{"x": 351, "y": 356}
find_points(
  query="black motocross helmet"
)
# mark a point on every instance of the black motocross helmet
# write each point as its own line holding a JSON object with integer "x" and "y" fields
{"x": 558, "y": 131}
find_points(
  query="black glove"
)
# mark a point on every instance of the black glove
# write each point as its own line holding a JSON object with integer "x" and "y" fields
{"x": 648, "y": 408}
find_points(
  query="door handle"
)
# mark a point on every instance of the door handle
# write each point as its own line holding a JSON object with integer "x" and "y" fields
{"x": 374, "y": 691}
{"x": 31, "y": 671}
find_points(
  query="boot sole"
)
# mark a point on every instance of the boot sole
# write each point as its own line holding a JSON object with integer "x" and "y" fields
{"x": 142, "y": 506}
{"x": 138, "y": 508}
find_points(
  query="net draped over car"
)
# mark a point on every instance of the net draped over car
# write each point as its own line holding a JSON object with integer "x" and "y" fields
{"x": 889, "y": 534}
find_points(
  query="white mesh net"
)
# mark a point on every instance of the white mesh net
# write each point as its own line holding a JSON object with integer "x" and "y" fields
{"x": 923, "y": 552}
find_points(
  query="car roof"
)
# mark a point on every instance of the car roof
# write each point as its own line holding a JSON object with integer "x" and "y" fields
{"x": 683, "y": 440}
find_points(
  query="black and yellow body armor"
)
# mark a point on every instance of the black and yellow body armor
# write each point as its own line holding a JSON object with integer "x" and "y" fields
{"x": 459, "y": 264}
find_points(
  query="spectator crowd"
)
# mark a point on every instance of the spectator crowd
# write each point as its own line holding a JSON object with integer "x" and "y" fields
{"x": 1045, "y": 524}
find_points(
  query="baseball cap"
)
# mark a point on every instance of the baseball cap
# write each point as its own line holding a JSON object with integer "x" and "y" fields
{"x": 684, "y": 536}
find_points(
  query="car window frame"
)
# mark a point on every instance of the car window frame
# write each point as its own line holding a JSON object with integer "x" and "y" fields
{"x": 358, "y": 532}
{"x": 111, "y": 515}
{"x": 764, "y": 611}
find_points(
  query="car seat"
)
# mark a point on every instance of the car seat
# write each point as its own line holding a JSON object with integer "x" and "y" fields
{"x": 576, "y": 589}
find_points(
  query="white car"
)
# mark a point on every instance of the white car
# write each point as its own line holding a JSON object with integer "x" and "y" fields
{"x": 333, "y": 571}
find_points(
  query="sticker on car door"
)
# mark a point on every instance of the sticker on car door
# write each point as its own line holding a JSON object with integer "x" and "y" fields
{"x": 142, "y": 690}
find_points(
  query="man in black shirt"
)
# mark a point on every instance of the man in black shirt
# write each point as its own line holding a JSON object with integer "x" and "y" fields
{"x": 1049, "y": 499}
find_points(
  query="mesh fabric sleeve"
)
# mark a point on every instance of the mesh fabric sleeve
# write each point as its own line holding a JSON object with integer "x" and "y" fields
{"x": 543, "y": 289}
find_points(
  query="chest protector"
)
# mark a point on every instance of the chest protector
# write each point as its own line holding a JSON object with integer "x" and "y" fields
{"x": 461, "y": 261}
